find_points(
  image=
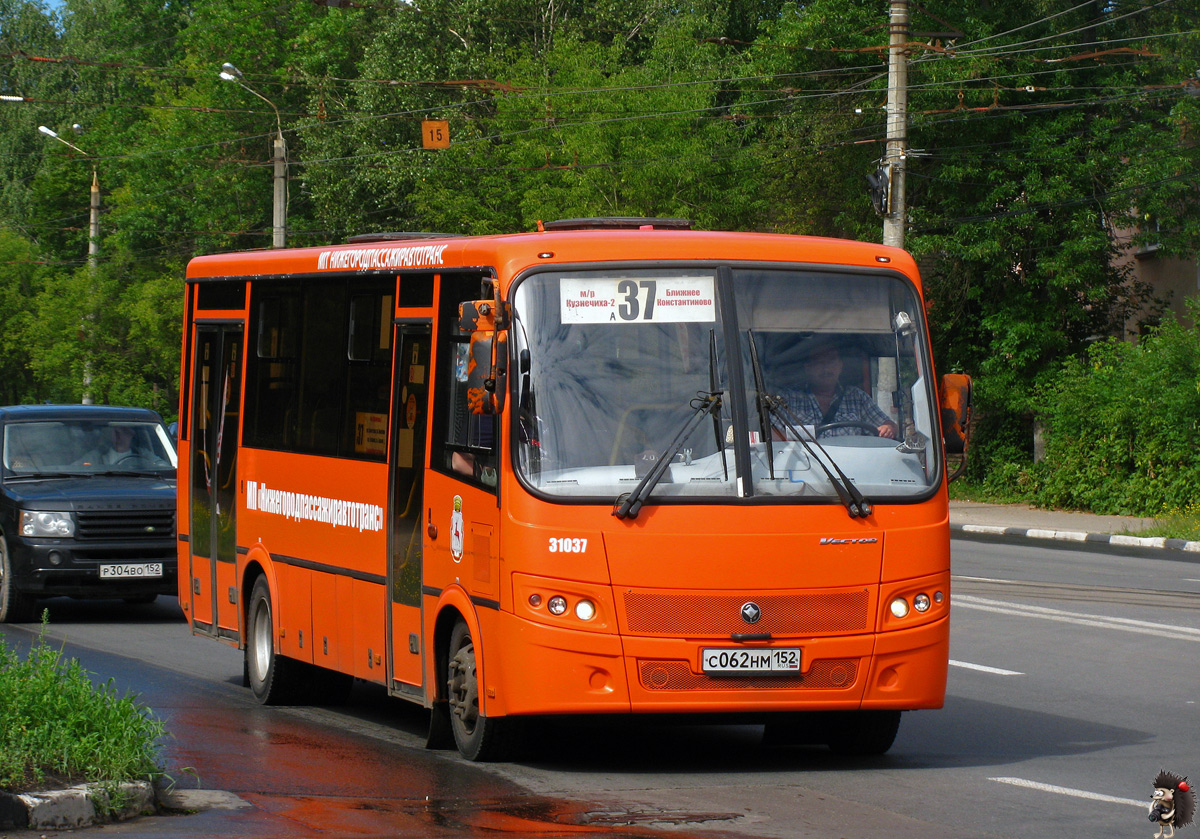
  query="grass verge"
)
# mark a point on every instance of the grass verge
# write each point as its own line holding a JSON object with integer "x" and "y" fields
{"x": 57, "y": 728}
{"x": 1171, "y": 524}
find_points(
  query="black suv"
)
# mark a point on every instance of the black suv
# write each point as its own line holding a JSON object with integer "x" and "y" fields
{"x": 87, "y": 505}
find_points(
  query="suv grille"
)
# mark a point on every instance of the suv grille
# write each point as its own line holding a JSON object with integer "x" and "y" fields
{"x": 124, "y": 524}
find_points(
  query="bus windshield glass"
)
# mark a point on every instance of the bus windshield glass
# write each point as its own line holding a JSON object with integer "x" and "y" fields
{"x": 618, "y": 369}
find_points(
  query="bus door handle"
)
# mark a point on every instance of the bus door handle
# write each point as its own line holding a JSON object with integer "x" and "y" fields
{"x": 431, "y": 528}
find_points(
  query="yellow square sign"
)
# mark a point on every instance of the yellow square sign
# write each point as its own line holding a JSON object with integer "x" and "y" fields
{"x": 435, "y": 134}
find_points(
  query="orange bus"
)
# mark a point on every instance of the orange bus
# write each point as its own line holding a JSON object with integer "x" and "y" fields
{"x": 613, "y": 466}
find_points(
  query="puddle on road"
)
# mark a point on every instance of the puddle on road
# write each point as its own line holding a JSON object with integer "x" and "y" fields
{"x": 466, "y": 818}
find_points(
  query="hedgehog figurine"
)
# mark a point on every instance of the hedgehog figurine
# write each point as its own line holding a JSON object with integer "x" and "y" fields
{"x": 1172, "y": 805}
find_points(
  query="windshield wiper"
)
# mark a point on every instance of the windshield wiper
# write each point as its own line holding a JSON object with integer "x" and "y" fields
{"x": 712, "y": 386}
{"x": 776, "y": 406}
{"x": 35, "y": 476}
{"x": 704, "y": 403}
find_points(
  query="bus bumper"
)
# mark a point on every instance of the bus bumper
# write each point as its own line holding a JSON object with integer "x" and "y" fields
{"x": 563, "y": 671}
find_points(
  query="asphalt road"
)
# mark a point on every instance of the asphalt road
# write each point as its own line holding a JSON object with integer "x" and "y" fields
{"x": 1072, "y": 683}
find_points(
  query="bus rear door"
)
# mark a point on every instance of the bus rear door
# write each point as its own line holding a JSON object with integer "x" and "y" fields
{"x": 410, "y": 411}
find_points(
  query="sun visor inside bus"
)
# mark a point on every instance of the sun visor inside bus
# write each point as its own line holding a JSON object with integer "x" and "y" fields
{"x": 833, "y": 303}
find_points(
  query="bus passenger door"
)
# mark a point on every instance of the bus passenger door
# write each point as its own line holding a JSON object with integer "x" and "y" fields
{"x": 213, "y": 526}
{"x": 410, "y": 410}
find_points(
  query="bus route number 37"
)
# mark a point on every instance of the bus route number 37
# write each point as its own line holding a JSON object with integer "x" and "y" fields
{"x": 567, "y": 545}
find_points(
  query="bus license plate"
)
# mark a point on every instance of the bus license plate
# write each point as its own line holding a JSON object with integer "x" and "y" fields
{"x": 739, "y": 661}
{"x": 130, "y": 570}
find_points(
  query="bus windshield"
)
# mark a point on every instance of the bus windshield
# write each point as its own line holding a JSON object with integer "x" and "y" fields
{"x": 617, "y": 369}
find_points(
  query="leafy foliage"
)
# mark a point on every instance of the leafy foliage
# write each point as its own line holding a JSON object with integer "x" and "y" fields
{"x": 1029, "y": 182}
{"x": 1122, "y": 424}
{"x": 55, "y": 725}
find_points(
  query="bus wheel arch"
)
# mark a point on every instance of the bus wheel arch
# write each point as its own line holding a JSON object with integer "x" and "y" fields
{"x": 440, "y": 735}
{"x": 459, "y": 714}
{"x": 479, "y": 737}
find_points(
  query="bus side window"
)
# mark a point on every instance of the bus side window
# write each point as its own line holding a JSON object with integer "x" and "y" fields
{"x": 465, "y": 444}
{"x": 471, "y": 438}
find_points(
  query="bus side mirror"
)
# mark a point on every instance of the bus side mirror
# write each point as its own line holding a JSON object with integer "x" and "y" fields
{"x": 956, "y": 419}
{"x": 487, "y": 365}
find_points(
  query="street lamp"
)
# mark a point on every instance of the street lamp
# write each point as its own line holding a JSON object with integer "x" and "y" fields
{"x": 230, "y": 73}
{"x": 93, "y": 240}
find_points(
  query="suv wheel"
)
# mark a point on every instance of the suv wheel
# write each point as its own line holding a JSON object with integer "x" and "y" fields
{"x": 15, "y": 606}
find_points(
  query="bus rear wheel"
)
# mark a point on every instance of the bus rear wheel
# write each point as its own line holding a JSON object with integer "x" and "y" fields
{"x": 274, "y": 679}
{"x": 478, "y": 737}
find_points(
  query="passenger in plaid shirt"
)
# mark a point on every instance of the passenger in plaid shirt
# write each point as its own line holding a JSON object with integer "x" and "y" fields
{"x": 826, "y": 400}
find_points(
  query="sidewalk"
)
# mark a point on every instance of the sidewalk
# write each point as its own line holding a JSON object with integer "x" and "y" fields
{"x": 973, "y": 519}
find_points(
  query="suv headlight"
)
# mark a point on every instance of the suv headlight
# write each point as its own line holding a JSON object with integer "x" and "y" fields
{"x": 47, "y": 525}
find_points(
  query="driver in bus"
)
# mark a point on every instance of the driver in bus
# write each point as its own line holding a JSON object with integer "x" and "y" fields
{"x": 825, "y": 400}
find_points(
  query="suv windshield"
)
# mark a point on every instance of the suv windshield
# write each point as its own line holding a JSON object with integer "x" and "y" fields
{"x": 611, "y": 366}
{"x": 86, "y": 447}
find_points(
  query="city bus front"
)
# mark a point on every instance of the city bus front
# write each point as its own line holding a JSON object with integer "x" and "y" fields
{"x": 727, "y": 498}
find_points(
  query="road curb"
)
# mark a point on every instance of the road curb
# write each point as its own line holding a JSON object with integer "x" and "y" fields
{"x": 87, "y": 805}
{"x": 74, "y": 807}
{"x": 1116, "y": 542}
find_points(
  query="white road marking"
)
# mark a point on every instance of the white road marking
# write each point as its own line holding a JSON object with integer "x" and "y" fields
{"x": 983, "y": 668}
{"x": 1160, "y": 630}
{"x": 1074, "y": 793}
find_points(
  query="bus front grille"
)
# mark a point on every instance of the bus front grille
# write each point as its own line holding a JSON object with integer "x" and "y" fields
{"x": 694, "y": 615}
{"x": 827, "y": 674}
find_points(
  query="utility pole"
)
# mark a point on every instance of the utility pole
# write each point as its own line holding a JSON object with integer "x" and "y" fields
{"x": 94, "y": 221}
{"x": 897, "y": 123}
{"x": 231, "y": 73}
{"x": 93, "y": 253}
{"x": 279, "y": 204}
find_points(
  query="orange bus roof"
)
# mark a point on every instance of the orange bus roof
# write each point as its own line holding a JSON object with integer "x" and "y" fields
{"x": 514, "y": 252}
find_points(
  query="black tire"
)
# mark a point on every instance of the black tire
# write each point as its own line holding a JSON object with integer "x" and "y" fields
{"x": 478, "y": 737}
{"x": 274, "y": 679}
{"x": 15, "y": 606}
{"x": 326, "y": 687}
{"x": 864, "y": 733}
{"x": 800, "y": 729}
{"x": 440, "y": 734}
{"x": 141, "y": 599}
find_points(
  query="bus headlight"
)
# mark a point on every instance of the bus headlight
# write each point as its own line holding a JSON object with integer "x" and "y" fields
{"x": 557, "y": 604}
{"x": 921, "y": 603}
{"x": 585, "y": 610}
{"x": 899, "y": 607}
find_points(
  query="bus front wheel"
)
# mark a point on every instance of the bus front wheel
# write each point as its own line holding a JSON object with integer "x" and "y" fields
{"x": 858, "y": 733}
{"x": 864, "y": 733}
{"x": 478, "y": 737}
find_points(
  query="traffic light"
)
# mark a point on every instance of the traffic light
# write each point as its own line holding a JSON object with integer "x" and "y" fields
{"x": 879, "y": 183}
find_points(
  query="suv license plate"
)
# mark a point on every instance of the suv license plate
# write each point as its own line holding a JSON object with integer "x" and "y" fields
{"x": 131, "y": 570}
{"x": 743, "y": 661}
